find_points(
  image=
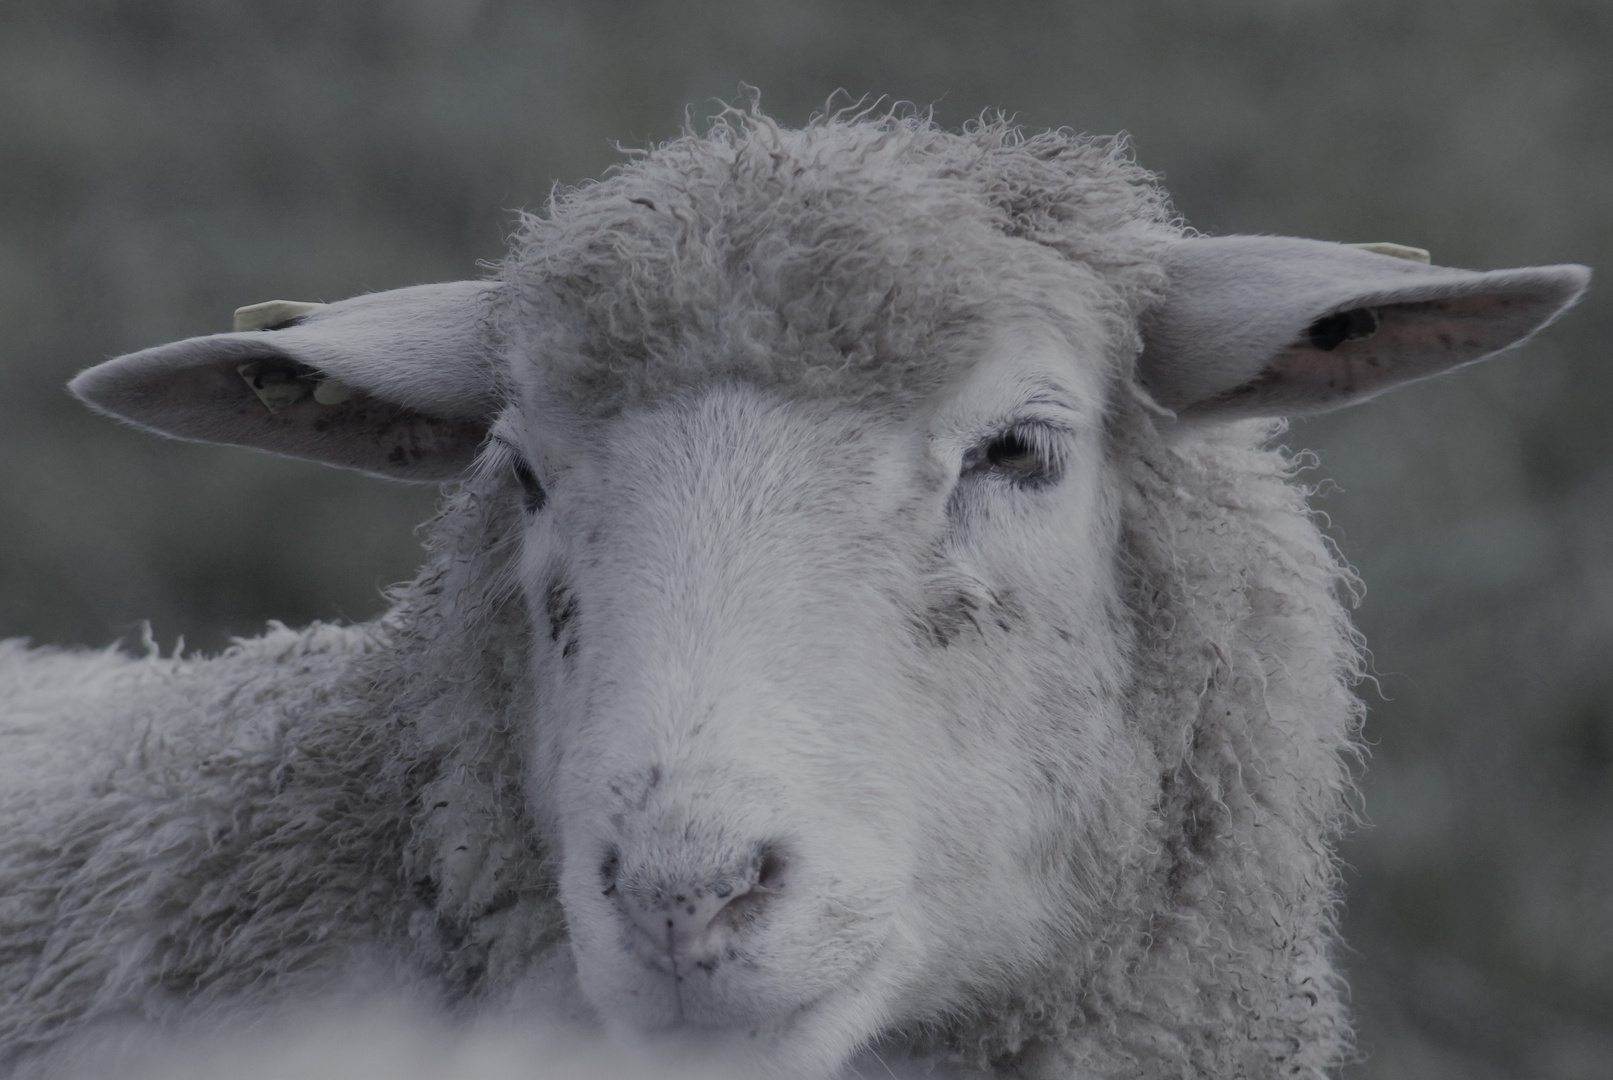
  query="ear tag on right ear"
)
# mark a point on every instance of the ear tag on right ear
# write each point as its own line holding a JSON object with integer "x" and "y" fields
{"x": 1396, "y": 251}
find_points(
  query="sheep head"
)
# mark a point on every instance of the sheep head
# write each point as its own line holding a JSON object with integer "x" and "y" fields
{"x": 828, "y": 479}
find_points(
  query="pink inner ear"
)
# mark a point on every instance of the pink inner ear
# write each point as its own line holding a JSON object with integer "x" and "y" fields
{"x": 1413, "y": 341}
{"x": 363, "y": 432}
{"x": 378, "y": 436}
{"x": 203, "y": 384}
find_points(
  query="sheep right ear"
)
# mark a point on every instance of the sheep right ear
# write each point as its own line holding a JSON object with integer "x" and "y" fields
{"x": 1277, "y": 326}
{"x": 401, "y": 384}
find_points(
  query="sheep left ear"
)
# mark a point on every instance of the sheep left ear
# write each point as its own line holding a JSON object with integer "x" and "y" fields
{"x": 401, "y": 384}
{"x": 1276, "y": 326}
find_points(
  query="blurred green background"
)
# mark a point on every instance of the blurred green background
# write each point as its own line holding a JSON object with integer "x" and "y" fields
{"x": 164, "y": 161}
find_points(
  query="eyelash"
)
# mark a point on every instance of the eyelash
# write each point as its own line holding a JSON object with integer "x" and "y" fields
{"x": 1025, "y": 454}
{"x": 533, "y": 497}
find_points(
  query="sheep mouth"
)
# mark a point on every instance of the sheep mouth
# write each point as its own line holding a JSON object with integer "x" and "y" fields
{"x": 705, "y": 1006}
{"x": 811, "y": 1038}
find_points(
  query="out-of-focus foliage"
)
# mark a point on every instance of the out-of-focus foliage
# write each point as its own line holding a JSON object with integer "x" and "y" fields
{"x": 164, "y": 161}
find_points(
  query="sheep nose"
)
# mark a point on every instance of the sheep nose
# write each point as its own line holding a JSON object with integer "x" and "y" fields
{"x": 678, "y": 919}
{"x": 680, "y": 915}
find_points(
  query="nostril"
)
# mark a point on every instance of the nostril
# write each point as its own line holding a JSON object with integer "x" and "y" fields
{"x": 609, "y": 867}
{"x": 770, "y": 867}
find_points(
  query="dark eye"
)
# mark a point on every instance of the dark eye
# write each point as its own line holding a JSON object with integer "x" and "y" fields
{"x": 1011, "y": 452}
{"x": 532, "y": 494}
{"x": 1023, "y": 454}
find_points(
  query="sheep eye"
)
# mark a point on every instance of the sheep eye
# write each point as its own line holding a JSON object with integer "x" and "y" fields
{"x": 1010, "y": 452}
{"x": 1019, "y": 454}
{"x": 532, "y": 494}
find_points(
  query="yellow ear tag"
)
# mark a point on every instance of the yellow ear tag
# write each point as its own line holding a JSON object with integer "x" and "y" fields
{"x": 270, "y": 313}
{"x": 277, "y": 383}
{"x": 1397, "y": 251}
{"x": 331, "y": 392}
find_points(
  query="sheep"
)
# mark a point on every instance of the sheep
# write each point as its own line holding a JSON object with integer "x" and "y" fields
{"x": 871, "y": 624}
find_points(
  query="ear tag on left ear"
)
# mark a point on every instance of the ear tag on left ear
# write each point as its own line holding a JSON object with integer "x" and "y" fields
{"x": 278, "y": 383}
{"x": 331, "y": 392}
{"x": 270, "y": 313}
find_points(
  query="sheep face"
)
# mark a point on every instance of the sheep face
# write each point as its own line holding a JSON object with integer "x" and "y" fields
{"x": 828, "y": 713}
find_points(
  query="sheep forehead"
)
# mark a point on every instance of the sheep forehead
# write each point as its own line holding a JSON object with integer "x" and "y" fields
{"x": 833, "y": 260}
{"x": 1023, "y": 363}
{"x": 1050, "y": 368}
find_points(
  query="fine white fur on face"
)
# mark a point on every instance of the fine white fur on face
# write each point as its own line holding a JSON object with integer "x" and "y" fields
{"x": 782, "y": 652}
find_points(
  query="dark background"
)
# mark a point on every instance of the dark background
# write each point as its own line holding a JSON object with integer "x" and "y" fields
{"x": 164, "y": 161}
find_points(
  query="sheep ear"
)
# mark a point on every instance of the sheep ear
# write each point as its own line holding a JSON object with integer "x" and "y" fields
{"x": 401, "y": 384}
{"x": 1275, "y": 326}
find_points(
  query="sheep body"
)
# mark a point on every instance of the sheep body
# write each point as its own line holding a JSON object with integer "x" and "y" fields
{"x": 176, "y": 868}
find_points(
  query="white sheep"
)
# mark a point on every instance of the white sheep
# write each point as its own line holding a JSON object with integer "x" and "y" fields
{"x": 869, "y": 629}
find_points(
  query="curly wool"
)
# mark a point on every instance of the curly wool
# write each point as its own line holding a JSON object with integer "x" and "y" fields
{"x": 336, "y": 809}
{"x": 828, "y": 260}
{"x": 1217, "y": 961}
{"x": 341, "y": 808}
